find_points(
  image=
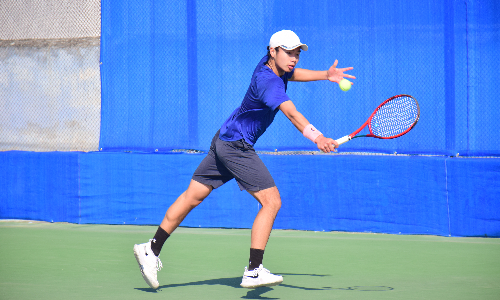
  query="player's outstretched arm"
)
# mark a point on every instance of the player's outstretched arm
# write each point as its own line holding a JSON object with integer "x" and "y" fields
{"x": 302, "y": 124}
{"x": 333, "y": 74}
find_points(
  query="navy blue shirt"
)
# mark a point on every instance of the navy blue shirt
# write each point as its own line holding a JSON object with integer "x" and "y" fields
{"x": 259, "y": 106}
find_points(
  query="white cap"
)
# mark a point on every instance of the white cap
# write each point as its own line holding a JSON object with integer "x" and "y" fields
{"x": 287, "y": 40}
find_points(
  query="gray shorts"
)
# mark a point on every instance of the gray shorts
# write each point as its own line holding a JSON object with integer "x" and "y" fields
{"x": 228, "y": 160}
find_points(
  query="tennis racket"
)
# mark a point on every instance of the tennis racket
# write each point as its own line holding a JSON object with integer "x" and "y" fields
{"x": 393, "y": 118}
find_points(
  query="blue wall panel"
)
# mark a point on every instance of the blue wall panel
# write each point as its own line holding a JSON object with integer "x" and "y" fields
{"x": 39, "y": 186}
{"x": 125, "y": 188}
{"x": 362, "y": 193}
{"x": 474, "y": 196}
{"x": 386, "y": 194}
{"x": 137, "y": 189}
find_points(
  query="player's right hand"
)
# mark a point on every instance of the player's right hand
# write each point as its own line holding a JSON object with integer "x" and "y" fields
{"x": 325, "y": 144}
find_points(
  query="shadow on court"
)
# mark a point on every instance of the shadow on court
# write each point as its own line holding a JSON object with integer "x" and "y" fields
{"x": 257, "y": 293}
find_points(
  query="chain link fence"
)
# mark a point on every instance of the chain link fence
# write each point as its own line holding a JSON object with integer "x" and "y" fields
{"x": 50, "y": 87}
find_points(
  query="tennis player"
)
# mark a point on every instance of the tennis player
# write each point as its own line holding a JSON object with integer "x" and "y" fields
{"x": 232, "y": 155}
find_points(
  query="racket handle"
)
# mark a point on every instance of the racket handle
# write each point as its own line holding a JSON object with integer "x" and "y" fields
{"x": 343, "y": 140}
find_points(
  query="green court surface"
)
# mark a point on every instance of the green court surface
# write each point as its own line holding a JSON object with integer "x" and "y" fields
{"x": 68, "y": 261}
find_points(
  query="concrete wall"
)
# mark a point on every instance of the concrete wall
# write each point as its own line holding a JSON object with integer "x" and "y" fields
{"x": 50, "y": 87}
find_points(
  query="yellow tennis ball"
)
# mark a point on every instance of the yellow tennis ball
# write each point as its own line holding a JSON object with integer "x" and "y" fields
{"x": 345, "y": 85}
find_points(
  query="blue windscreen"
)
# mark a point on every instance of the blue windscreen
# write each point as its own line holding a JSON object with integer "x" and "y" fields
{"x": 173, "y": 71}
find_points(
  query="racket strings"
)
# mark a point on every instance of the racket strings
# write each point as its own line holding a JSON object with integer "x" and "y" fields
{"x": 395, "y": 117}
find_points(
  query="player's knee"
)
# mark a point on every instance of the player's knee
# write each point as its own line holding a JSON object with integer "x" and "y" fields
{"x": 273, "y": 204}
{"x": 193, "y": 200}
{"x": 277, "y": 205}
{"x": 197, "y": 192}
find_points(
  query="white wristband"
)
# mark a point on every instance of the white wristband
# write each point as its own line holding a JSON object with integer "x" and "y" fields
{"x": 311, "y": 132}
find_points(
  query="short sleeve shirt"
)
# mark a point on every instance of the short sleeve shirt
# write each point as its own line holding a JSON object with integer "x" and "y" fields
{"x": 260, "y": 105}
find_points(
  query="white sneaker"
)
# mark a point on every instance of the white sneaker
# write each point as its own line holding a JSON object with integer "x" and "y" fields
{"x": 149, "y": 263}
{"x": 259, "y": 277}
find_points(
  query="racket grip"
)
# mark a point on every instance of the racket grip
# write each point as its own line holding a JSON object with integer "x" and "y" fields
{"x": 343, "y": 140}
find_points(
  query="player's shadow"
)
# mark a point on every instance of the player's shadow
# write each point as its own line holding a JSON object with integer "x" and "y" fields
{"x": 233, "y": 282}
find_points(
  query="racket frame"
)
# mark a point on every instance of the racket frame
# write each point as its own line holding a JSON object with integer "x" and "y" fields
{"x": 368, "y": 122}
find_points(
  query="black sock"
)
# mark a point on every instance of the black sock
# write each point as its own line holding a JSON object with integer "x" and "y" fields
{"x": 157, "y": 243}
{"x": 256, "y": 256}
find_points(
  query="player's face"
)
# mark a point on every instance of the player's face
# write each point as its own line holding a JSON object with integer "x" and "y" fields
{"x": 286, "y": 60}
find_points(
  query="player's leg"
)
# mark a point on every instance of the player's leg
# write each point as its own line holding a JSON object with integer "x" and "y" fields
{"x": 240, "y": 158}
{"x": 208, "y": 176}
{"x": 256, "y": 275}
{"x": 147, "y": 253}
{"x": 270, "y": 201}
{"x": 188, "y": 200}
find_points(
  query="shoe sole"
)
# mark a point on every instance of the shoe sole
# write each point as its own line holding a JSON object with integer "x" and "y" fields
{"x": 261, "y": 285}
{"x": 137, "y": 252}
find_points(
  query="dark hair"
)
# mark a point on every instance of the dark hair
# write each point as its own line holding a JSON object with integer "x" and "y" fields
{"x": 269, "y": 52}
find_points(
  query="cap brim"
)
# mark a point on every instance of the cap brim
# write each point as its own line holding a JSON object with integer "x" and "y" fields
{"x": 302, "y": 46}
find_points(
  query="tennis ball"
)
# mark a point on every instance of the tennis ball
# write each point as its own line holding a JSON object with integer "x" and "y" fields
{"x": 345, "y": 85}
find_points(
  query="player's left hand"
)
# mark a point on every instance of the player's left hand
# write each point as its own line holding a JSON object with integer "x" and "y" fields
{"x": 336, "y": 75}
